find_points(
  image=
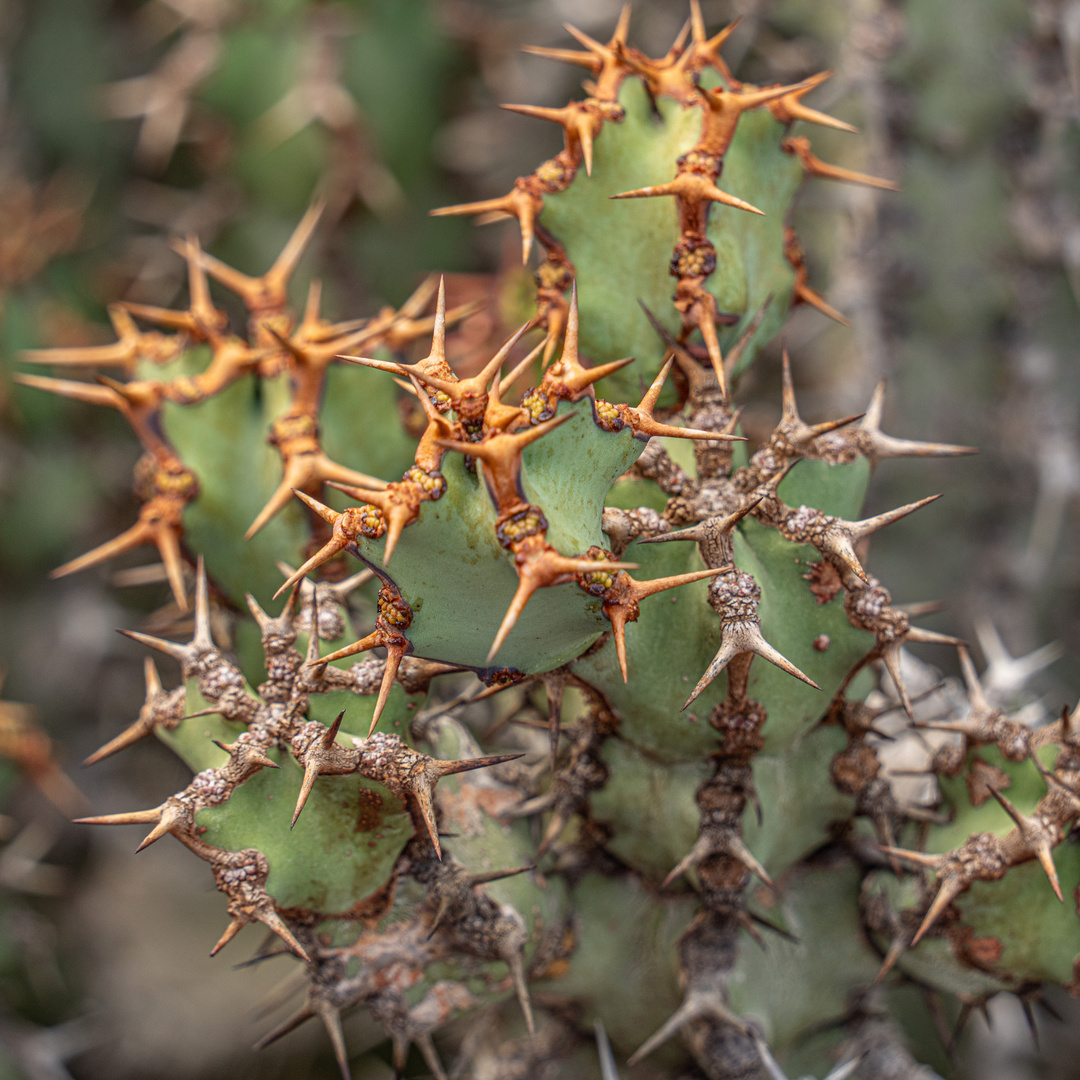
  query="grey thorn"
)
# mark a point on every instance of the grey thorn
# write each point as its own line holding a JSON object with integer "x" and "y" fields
{"x": 608, "y": 1071}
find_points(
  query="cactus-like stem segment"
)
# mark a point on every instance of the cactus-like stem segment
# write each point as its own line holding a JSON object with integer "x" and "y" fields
{"x": 401, "y": 823}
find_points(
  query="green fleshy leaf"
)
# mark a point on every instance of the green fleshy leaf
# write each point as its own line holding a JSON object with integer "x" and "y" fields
{"x": 459, "y": 581}
{"x": 791, "y": 620}
{"x": 630, "y": 942}
{"x": 792, "y": 987}
{"x": 1039, "y": 936}
{"x": 350, "y": 833}
{"x": 933, "y": 961}
{"x": 642, "y": 151}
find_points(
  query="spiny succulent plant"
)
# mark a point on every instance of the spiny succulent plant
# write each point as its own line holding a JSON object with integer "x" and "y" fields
{"x": 602, "y": 868}
{"x": 673, "y": 128}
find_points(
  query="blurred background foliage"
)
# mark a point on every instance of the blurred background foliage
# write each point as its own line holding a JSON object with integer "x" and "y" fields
{"x": 126, "y": 122}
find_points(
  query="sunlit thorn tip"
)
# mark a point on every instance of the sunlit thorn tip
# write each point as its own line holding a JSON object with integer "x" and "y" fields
{"x": 547, "y": 569}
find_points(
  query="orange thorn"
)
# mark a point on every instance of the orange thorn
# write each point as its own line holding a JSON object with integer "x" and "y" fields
{"x": 619, "y": 618}
{"x": 643, "y": 589}
{"x": 77, "y": 391}
{"x": 370, "y": 642}
{"x": 641, "y": 419}
{"x": 167, "y": 540}
{"x": 877, "y": 446}
{"x": 1043, "y": 849}
{"x": 709, "y": 48}
{"x": 149, "y": 529}
{"x": 652, "y": 395}
{"x": 702, "y": 313}
{"x": 744, "y": 100}
{"x": 131, "y": 346}
{"x": 790, "y": 108}
{"x": 156, "y": 833}
{"x": 799, "y": 145}
{"x": 304, "y": 470}
{"x": 397, "y": 517}
{"x": 805, "y": 295}
{"x": 519, "y": 202}
{"x": 788, "y": 111}
{"x": 578, "y": 381}
{"x": 269, "y": 290}
{"x": 584, "y": 130}
{"x": 199, "y": 302}
{"x": 622, "y": 599}
{"x": 131, "y": 538}
{"x": 152, "y": 678}
{"x": 328, "y": 515}
{"x": 693, "y": 187}
{"x": 591, "y": 44}
{"x": 500, "y": 457}
{"x": 565, "y": 56}
{"x": 437, "y": 354}
{"x": 394, "y": 654}
{"x": 539, "y": 112}
{"x": 578, "y": 123}
{"x": 526, "y": 587}
{"x": 277, "y": 501}
{"x": 603, "y": 61}
{"x": 840, "y": 537}
{"x": 622, "y": 27}
{"x": 541, "y": 571}
{"x": 679, "y": 44}
{"x": 337, "y": 542}
{"x": 452, "y": 768}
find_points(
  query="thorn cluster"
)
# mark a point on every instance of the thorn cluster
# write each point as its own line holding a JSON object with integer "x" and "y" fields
{"x": 438, "y": 937}
{"x": 678, "y": 76}
{"x": 276, "y": 343}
